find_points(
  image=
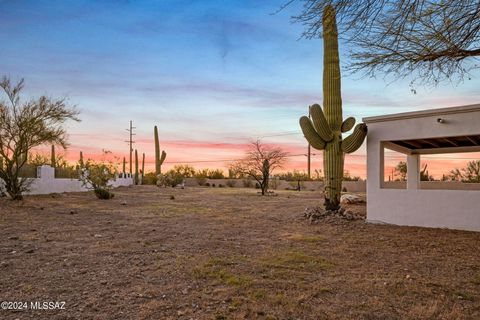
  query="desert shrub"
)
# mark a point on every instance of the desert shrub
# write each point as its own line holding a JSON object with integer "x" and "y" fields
{"x": 221, "y": 185}
{"x": 231, "y": 183}
{"x": 274, "y": 183}
{"x": 103, "y": 194}
{"x": 97, "y": 176}
{"x": 344, "y": 189}
{"x": 213, "y": 185}
{"x": 296, "y": 184}
{"x": 150, "y": 178}
{"x": 201, "y": 180}
{"x": 210, "y": 174}
{"x": 216, "y": 174}
{"x": 169, "y": 179}
{"x": 257, "y": 185}
{"x": 184, "y": 170}
{"x": 294, "y": 175}
{"x": 247, "y": 183}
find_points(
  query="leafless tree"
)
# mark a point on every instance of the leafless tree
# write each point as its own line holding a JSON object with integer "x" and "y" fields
{"x": 259, "y": 163}
{"x": 26, "y": 125}
{"x": 429, "y": 40}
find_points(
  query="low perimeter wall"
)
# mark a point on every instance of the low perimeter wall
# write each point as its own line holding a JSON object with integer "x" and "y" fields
{"x": 350, "y": 186}
{"x": 46, "y": 183}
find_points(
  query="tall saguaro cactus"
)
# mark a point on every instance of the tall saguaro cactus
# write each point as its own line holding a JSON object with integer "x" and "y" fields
{"x": 324, "y": 131}
{"x": 159, "y": 159}
{"x": 124, "y": 165}
{"x": 82, "y": 164}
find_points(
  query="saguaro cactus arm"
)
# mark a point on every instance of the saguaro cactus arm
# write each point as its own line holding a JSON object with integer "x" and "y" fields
{"x": 348, "y": 124}
{"x": 162, "y": 158}
{"x": 354, "y": 141}
{"x": 310, "y": 134}
{"x": 320, "y": 123}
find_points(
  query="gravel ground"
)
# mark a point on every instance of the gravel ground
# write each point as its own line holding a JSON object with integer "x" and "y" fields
{"x": 223, "y": 253}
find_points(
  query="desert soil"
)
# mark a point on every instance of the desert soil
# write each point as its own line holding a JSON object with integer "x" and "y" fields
{"x": 221, "y": 253}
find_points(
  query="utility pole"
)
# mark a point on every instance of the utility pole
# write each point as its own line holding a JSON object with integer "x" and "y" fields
{"x": 131, "y": 142}
{"x": 309, "y": 149}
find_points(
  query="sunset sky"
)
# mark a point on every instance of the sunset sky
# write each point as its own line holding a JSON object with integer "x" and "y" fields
{"x": 212, "y": 75}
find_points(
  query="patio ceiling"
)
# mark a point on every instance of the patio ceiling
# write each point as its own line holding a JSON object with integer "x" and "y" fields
{"x": 470, "y": 143}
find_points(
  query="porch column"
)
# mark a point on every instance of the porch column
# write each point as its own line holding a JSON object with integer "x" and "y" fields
{"x": 413, "y": 171}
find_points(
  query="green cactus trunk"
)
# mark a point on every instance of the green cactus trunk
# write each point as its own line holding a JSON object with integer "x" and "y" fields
{"x": 52, "y": 157}
{"x": 143, "y": 167}
{"x": 324, "y": 131}
{"x": 332, "y": 106}
{"x": 136, "y": 167}
{"x": 333, "y": 168}
{"x": 81, "y": 163}
{"x": 159, "y": 157}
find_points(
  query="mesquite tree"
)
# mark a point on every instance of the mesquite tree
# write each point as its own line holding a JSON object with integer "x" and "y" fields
{"x": 324, "y": 131}
{"x": 431, "y": 40}
{"x": 26, "y": 125}
{"x": 259, "y": 163}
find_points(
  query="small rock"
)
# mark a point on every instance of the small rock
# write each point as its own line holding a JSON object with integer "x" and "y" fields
{"x": 351, "y": 199}
{"x": 407, "y": 276}
{"x": 30, "y": 251}
{"x": 13, "y": 238}
{"x": 123, "y": 203}
{"x": 73, "y": 212}
{"x": 103, "y": 282}
{"x": 97, "y": 235}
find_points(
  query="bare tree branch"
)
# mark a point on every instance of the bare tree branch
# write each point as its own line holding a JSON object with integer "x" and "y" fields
{"x": 429, "y": 41}
{"x": 259, "y": 162}
{"x": 24, "y": 126}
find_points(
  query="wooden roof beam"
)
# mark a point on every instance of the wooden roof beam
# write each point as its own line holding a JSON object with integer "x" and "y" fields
{"x": 472, "y": 140}
{"x": 451, "y": 142}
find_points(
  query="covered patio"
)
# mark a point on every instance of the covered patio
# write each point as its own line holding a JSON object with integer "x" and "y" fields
{"x": 435, "y": 204}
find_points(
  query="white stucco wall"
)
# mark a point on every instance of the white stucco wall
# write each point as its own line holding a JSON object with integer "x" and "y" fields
{"x": 45, "y": 183}
{"x": 414, "y": 206}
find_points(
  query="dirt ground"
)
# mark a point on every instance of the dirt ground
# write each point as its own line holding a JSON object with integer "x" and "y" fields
{"x": 221, "y": 253}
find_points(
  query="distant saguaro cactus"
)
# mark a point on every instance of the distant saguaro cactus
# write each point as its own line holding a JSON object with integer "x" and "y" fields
{"x": 143, "y": 167}
{"x": 82, "y": 164}
{"x": 324, "y": 131}
{"x": 136, "y": 166}
{"x": 159, "y": 159}
{"x": 52, "y": 157}
{"x": 124, "y": 165}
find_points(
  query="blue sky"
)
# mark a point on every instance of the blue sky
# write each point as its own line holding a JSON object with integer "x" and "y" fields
{"x": 211, "y": 74}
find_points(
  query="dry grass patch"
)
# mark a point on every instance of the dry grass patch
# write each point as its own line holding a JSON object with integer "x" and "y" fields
{"x": 295, "y": 260}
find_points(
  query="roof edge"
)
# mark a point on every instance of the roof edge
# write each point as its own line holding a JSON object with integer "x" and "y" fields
{"x": 423, "y": 113}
